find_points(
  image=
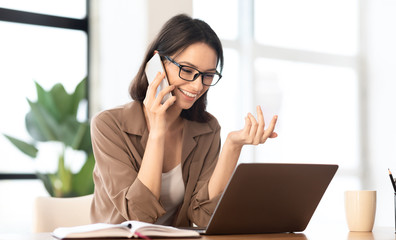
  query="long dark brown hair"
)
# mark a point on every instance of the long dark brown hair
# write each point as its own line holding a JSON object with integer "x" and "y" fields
{"x": 177, "y": 34}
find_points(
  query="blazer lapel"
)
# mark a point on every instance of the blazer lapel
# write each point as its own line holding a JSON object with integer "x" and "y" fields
{"x": 190, "y": 133}
{"x": 137, "y": 126}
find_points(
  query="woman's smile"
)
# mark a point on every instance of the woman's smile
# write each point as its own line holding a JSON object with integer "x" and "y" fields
{"x": 188, "y": 94}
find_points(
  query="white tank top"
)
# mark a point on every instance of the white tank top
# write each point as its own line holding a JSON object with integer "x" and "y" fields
{"x": 172, "y": 194}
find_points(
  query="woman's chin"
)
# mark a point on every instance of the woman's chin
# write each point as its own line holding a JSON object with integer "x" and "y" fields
{"x": 185, "y": 106}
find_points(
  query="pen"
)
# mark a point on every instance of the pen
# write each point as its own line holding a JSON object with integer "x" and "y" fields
{"x": 392, "y": 180}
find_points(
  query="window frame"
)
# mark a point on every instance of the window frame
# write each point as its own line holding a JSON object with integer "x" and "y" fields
{"x": 31, "y": 18}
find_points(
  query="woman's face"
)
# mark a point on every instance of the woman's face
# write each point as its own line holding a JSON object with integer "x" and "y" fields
{"x": 199, "y": 56}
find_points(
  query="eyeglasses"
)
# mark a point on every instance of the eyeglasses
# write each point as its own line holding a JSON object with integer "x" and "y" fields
{"x": 190, "y": 74}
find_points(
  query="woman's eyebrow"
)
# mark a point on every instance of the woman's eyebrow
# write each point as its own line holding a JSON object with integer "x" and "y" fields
{"x": 192, "y": 65}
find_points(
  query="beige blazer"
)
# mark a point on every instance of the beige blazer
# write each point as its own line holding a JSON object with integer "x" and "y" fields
{"x": 119, "y": 138}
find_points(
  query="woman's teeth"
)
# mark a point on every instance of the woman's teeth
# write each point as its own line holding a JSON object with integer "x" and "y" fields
{"x": 188, "y": 93}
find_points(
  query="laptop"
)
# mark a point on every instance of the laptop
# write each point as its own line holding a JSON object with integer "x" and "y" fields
{"x": 270, "y": 198}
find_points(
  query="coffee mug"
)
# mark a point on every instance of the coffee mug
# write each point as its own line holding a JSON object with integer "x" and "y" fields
{"x": 360, "y": 207}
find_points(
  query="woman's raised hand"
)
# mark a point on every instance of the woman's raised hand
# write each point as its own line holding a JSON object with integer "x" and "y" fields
{"x": 254, "y": 131}
{"x": 154, "y": 109}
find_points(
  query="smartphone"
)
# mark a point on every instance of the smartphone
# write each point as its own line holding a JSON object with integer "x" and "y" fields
{"x": 153, "y": 66}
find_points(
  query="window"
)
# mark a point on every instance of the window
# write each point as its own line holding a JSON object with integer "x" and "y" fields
{"x": 65, "y": 8}
{"x": 50, "y": 55}
{"x": 40, "y": 42}
{"x": 299, "y": 63}
{"x": 291, "y": 24}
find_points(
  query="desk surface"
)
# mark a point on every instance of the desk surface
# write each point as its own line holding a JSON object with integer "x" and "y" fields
{"x": 377, "y": 234}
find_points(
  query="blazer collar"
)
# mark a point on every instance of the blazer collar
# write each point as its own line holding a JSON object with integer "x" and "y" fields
{"x": 133, "y": 120}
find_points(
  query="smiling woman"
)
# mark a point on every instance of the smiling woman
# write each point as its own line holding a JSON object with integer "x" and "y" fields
{"x": 160, "y": 161}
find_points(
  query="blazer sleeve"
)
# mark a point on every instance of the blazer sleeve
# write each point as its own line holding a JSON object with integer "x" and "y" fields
{"x": 201, "y": 207}
{"x": 118, "y": 191}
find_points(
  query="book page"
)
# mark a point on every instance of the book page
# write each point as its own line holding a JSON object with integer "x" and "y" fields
{"x": 155, "y": 230}
{"x": 93, "y": 230}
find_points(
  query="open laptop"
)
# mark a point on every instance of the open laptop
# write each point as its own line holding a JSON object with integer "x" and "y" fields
{"x": 270, "y": 198}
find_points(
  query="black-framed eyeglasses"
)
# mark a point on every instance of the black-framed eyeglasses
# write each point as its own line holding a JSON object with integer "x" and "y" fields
{"x": 190, "y": 74}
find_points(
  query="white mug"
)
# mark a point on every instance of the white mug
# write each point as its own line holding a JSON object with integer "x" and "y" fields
{"x": 360, "y": 207}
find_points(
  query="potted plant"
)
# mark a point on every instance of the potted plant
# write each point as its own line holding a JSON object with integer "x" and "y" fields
{"x": 53, "y": 117}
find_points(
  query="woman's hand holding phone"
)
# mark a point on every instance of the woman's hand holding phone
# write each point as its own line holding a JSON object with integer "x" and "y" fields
{"x": 155, "y": 110}
{"x": 153, "y": 66}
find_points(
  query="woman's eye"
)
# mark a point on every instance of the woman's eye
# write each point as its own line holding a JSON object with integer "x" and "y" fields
{"x": 209, "y": 75}
{"x": 187, "y": 70}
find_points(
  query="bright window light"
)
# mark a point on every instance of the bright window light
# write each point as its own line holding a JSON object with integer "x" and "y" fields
{"x": 313, "y": 25}
{"x": 32, "y": 53}
{"x": 221, "y": 15}
{"x": 318, "y": 112}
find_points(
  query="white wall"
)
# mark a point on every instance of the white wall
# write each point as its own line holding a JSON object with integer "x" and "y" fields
{"x": 381, "y": 92}
{"x": 118, "y": 34}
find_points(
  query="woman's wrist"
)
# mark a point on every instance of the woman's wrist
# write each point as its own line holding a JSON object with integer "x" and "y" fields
{"x": 232, "y": 145}
{"x": 156, "y": 134}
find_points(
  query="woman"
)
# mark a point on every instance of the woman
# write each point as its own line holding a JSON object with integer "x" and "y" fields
{"x": 160, "y": 163}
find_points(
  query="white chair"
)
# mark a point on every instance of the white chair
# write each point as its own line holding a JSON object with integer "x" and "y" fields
{"x": 51, "y": 212}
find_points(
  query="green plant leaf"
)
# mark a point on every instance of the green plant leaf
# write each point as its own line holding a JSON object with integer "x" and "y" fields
{"x": 86, "y": 144}
{"x": 40, "y": 124}
{"x": 45, "y": 99}
{"x": 63, "y": 101}
{"x": 33, "y": 128}
{"x": 69, "y": 131}
{"x": 79, "y": 136}
{"x": 54, "y": 118}
{"x": 82, "y": 182}
{"x": 65, "y": 176}
{"x": 46, "y": 180}
{"x": 78, "y": 95}
{"x": 26, "y": 148}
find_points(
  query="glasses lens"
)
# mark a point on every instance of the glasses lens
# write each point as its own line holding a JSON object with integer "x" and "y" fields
{"x": 210, "y": 79}
{"x": 191, "y": 74}
{"x": 188, "y": 73}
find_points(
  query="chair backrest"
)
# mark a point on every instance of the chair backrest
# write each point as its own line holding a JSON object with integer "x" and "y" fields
{"x": 51, "y": 212}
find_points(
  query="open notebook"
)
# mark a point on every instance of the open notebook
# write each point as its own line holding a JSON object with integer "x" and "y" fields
{"x": 269, "y": 198}
{"x": 127, "y": 229}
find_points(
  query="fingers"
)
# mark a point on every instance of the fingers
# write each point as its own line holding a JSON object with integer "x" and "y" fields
{"x": 260, "y": 129}
{"x": 152, "y": 88}
{"x": 152, "y": 99}
{"x": 254, "y": 130}
{"x": 269, "y": 133}
{"x": 273, "y": 135}
{"x": 169, "y": 102}
{"x": 248, "y": 125}
{"x": 158, "y": 99}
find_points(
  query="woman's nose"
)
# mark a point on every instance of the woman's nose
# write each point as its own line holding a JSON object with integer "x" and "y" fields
{"x": 197, "y": 84}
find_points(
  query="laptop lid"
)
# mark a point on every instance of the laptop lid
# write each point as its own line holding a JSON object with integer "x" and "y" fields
{"x": 270, "y": 198}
